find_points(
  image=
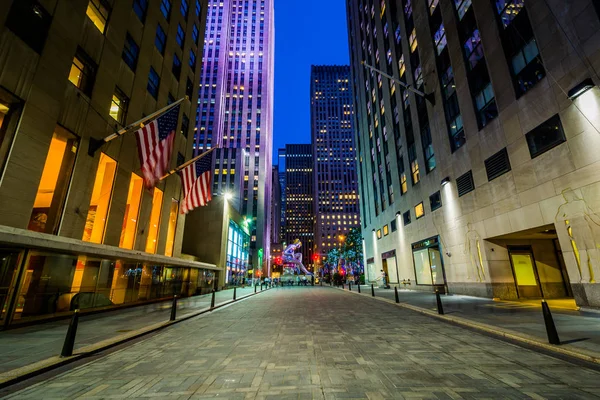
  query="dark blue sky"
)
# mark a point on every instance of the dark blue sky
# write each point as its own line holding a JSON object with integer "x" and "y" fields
{"x": 307, "y": 32}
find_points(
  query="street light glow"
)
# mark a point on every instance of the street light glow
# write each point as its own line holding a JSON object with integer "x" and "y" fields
{"x": 228, "y": 196}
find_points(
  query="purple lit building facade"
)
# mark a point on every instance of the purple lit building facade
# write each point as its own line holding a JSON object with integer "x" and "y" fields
{"x": 235, "y": 108}
{"x": 335, "y": 180}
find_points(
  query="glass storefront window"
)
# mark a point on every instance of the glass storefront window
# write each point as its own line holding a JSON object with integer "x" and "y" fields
{"x": 100, "y": 201}
{"x": 238, "y": 243}
{"x": 132, "y": 209}
{"x": 422, "y": 267}
{"x": 153, "y": 229}
{"x": 51, "y": 193}
{"x": 9, "y": 264}
{"x": 171, "y": 228}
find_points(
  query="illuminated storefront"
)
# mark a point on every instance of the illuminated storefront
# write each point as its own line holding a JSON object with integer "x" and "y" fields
{"x": 238, "y": 243}
{"x": 429, "y": 267}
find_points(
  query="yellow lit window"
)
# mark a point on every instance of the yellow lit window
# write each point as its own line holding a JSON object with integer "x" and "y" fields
{"x": 401, "y": 66}
{"x": 378, "y": 233}
{"x": 385, "y": 230}
{"x": 403, "y": 184}
{"x": 118, "y": 106}
{"x": 152, "y": 242}
{"x": 414, "y": 168}
{"x": 132, "y": 210}
{"x": 413, "y": 40}
{"x": 97, "y": 11}
{"x": 171, "y": 228}
{"x": 3, "y": 111}
{"x": 76, "y": 73}
{"x": 419, "y": 211}
{"x": 48, "y": 204}
{"x": 100, "y": 201}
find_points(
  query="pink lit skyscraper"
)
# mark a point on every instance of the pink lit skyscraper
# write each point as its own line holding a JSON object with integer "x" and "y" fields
{"x": 235, "y": 108}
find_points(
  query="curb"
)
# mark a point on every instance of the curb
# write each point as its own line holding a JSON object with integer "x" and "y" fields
{"x": 17, "y": 375}
{"x": 493, "y": 331}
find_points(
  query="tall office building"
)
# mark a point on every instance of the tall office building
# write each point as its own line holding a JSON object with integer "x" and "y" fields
{"x": 299, "y": 214}
{"x": 282, "y": 185}
{"x": 334, "y": 172}
{"x": 484, "y": 177}
{"x": 235, "y": 105}
{"x": 275, "y": 206}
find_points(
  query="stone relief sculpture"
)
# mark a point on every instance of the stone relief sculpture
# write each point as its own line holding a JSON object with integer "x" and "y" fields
{"x": 473, "y": 250}
{"x": 581, "y": 221}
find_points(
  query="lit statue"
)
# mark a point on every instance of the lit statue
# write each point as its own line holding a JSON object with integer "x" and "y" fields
{"x": 290, "y": 256}
{"x": 581, "y": 221}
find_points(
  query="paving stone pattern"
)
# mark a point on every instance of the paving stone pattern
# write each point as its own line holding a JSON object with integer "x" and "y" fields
{"x": 320, "y": 343}
{"x": 578, "y": 329}
{"x": 23, "y": 346}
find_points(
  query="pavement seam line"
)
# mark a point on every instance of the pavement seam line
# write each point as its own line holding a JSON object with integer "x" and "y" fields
{"x": 17, "y": 375}
{"x": 490, "y": 329}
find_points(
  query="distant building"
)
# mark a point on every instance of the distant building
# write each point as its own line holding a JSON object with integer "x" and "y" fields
{"x": 299, "y": 214}
{"x": 282, "y": 185}
{"x": 334, "y": 156}
{"x": 275, "y": 207}
{"x": 235, "y": 106}
{"x": 483, "y": 178}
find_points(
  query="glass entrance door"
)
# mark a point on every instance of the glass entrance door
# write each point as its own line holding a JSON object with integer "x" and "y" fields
{"x": 526, "y": 276}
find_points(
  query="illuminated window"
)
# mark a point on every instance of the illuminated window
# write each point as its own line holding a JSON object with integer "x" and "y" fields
{"x": 171, "y": 228}
{"x": 152, "y": 242}
{"x": 51, "y": 193}
{"x": 98, "y": 11}
{"x": 385, "y": 230}
{"x": 401, "y": 66}
{"x": 118, "y": 106}
{"x": 419, "y": 210}
{"x": 83, "y": 72}
{"x": 100, "y": 201}
{"x": 413, "y": 40}
{"x": 414, "y": 170}
{"x": 132, "y": 210}
{"x": 378, "y": 233}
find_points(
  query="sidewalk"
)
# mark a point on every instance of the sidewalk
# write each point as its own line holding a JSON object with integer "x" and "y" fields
{"x": 578, "y": 330}
{"x": 21, "y": 347}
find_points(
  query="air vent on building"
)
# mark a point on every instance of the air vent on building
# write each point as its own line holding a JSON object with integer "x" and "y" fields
{"x": 497, "y": 165}
{"x": 465, "y": 184}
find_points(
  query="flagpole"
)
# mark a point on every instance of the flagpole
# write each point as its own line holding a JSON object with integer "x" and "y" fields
{"x": 185, "y": 164}
{"x": 427, "y": 96}
{"x": 95, "y": 144}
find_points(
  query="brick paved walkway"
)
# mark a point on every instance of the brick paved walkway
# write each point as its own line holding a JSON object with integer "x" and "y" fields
{"x": 319, "y": 343}
{"x": 23, "y": 346}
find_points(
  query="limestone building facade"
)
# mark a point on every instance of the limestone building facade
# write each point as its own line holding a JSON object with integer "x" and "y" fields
{"x": 483, "y": 178}
{"x": 75, "y": 222}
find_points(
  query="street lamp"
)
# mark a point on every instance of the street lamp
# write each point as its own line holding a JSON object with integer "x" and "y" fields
{"x": 228, "y": 196}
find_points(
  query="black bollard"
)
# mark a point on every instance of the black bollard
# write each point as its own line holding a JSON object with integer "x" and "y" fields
{"x": 174, "y": 309}
{"x": 212, "y": 300}
{"x": 440, "y": 306}
{"x": 396, "y": 294}
{"x": 67, "y": 350}
{"x": 550, "y": 327}
{"x": 234, "y": 294}
{"x": 358, "y": 287}
{"x": 372, "y": 290}
{"x": 350, "y": 286}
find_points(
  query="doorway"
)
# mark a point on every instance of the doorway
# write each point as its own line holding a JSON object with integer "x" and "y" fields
{"x": 525, "y": 271}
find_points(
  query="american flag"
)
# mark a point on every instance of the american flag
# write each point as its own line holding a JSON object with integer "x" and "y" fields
{"x": 197, "y": 184}
{"x": 155, "y": 146}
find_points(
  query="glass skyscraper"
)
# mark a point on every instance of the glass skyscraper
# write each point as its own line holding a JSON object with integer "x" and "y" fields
{"x": 235, "y": 106}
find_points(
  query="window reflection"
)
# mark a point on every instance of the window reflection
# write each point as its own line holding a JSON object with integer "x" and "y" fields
{"x": 154, "y": 225}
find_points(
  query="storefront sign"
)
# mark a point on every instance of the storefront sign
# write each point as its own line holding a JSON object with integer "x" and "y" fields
{"x": 388, "y": 254}
{"x": 370, "y": 260}
{"x": 423, "y": 244}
